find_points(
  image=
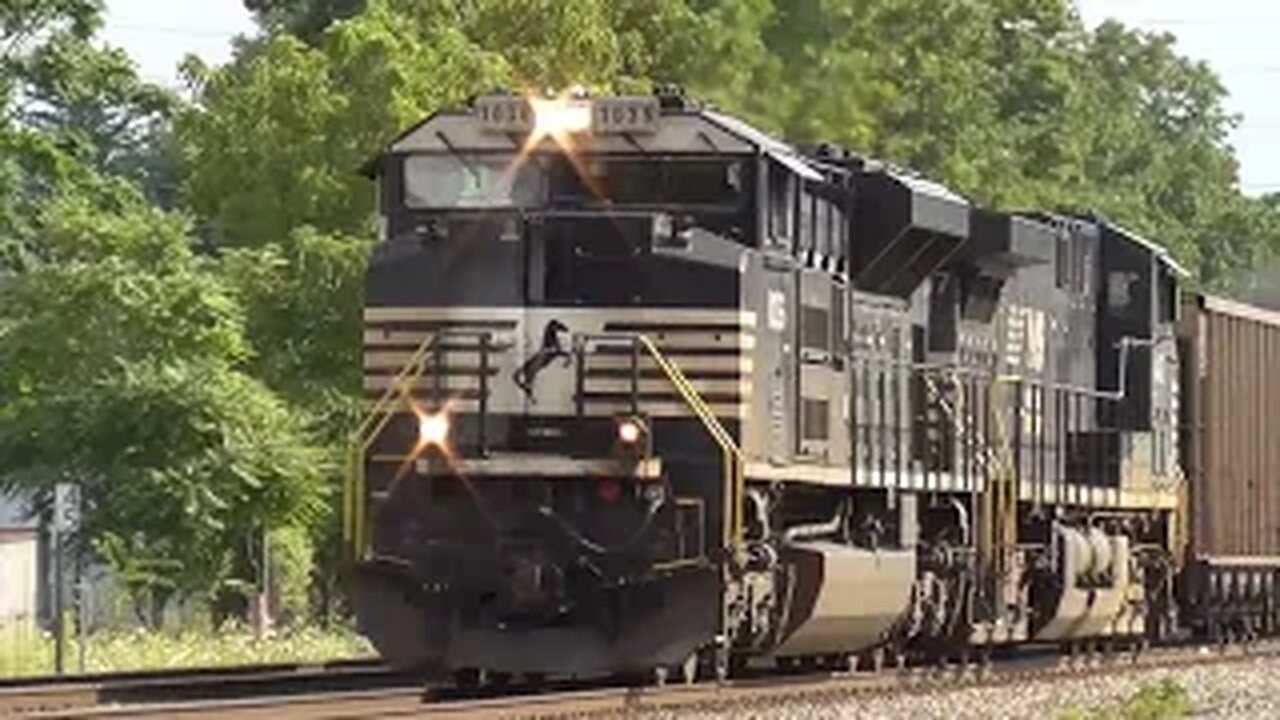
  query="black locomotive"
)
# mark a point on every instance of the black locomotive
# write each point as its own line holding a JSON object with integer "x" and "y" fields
{"x": 653, "y": 390}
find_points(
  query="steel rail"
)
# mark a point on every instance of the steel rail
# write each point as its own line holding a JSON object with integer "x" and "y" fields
{"x": 731, "y": 696}
{"x": 21, "y": 697}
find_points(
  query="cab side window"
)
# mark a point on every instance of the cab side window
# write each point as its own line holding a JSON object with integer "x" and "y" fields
{"x": 807, "y": 231}
{"x": 782, "y": 192}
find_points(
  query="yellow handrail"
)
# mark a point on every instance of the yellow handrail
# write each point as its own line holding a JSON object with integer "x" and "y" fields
{"x": 735, "y": 477}
{"x": 1000, "y": 501}
{"x": 354, "y": 491}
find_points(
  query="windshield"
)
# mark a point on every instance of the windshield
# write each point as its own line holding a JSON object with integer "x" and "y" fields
{"x": 471, "y": 181}
{"x": 652, "y": 181}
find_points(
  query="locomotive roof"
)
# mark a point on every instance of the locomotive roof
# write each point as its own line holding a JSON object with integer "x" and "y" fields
{"x": 767, "y": 144}
{"x": 683, "y": 130}
{"x": 1159, "y": 251}
{"x": 686, "y": 128}
{"x": 1100, "y": 221}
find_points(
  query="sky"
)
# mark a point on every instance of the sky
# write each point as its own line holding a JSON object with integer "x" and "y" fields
{"x": 158, "y": 33}
{"x": 1239, "y": 38}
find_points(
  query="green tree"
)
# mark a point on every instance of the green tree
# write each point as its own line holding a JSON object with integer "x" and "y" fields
{"x": 304, "y": 18}
{"x": 121, "y": 369}
{"x": 89, "y": 100}
{"x": 303, "y": 297}
{"x": 74, "y": 118}
{"x": 276, "y": 140}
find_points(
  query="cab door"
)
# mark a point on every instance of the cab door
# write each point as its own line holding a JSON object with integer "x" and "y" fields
{"x": 820, "y": 369}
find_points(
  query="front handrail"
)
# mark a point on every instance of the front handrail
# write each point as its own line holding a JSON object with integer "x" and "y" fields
{"x": 733, "y": 462}
{"x": 428, "y": 354}
{"x": 354, "y": 503}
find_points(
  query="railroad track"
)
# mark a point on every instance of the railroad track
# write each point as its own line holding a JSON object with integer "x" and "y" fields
{"x": 336, "y": 693}
{"x": 71, "y": 695}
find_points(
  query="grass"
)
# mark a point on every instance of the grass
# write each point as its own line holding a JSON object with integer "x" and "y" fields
{"x": 26, "y": 652}
{"x": 1161, "y": 701}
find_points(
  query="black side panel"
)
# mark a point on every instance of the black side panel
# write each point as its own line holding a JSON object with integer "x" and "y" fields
{"x": 453, "y": 262}
{"x": 588, "y": 259}
{"x": 1126, "y": 311}
{"x": 904, "y": 229}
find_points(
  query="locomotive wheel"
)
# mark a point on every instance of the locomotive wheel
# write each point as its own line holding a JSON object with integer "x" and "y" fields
{"x": 876, "y": 661}
{"x": 468, "y": 678}
{"x": 685, "y": 672}
{"x": 721, "y": 663}
{"x": 688, "y": 670}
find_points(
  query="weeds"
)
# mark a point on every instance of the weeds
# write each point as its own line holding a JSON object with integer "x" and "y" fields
{"x": 25, "y": 651}
{"x": 1162, "y": 701}
{"x": 1168, "y": 699}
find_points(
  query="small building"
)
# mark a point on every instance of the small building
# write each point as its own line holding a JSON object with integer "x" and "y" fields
{"x": 20, "y": 593}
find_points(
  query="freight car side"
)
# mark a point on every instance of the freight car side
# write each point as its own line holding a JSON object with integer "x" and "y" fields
{"x": 1231, "y": 456}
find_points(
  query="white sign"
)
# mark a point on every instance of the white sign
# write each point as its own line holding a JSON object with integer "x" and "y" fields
{"x": 66, "y": 507}
{"x": 777, "y": 310}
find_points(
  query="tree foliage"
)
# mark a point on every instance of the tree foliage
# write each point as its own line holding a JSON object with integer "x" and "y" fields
{"x": 312, "y": 117}
{"x": 74, "y": 118}
{"x": 303, "y": 18}
{"x": 123, "y": 352}
{"x": 122, "y": 359}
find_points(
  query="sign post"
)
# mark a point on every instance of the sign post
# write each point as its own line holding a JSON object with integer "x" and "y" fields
{"x": 66, "y": 517}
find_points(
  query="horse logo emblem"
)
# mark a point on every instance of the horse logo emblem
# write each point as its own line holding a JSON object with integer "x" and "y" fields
{"x": 527, "y": 374}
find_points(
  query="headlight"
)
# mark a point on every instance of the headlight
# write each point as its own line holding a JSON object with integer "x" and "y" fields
{"x": 433, "y": 428}
{"x": 560, "y": 116}
{"x": 630, "y": 432}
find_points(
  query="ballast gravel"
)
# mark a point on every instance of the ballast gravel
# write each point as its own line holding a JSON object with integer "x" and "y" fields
{"x": 1248, "y": 688}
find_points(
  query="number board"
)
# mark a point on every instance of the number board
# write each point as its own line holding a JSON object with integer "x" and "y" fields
{"x": 514, "y": 114}
{"x": 504, "y": 113}
{"x": 625, "y": 115}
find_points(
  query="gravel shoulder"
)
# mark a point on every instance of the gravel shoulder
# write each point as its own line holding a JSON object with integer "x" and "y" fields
{"x": 1240, "y": 689}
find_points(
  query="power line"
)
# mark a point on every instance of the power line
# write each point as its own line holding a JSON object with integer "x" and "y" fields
{"x": 175, "y": 30}
{"x": 1251, "y": 69}
{"x": 1209, "y": 22}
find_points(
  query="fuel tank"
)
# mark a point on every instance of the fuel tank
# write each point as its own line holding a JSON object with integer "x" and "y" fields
{"x": 845, "y": 598}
